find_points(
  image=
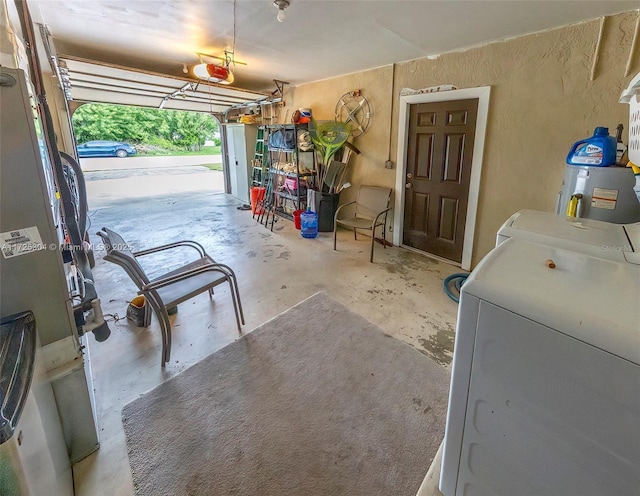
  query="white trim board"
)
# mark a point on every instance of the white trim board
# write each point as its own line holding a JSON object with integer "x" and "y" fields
{"x": 482, "y": 94}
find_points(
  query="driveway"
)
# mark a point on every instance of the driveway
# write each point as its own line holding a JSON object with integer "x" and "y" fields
{"x": 143, "y": 162}
{"x": 107, "y": 187}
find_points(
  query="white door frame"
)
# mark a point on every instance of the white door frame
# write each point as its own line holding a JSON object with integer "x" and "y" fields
{"x": 482, "y": 94}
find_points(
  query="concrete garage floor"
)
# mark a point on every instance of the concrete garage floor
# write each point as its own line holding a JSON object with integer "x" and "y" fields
{"x": 400, "y": 292}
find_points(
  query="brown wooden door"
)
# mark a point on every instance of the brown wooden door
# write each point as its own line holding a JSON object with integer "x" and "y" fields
{"x": 439, "y": 154}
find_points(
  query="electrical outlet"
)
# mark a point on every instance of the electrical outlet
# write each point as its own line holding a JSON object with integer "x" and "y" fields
{"x": 388, "y": 164}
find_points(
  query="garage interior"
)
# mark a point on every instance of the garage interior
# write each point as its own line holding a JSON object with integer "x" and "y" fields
{"x": 545, "y": 74}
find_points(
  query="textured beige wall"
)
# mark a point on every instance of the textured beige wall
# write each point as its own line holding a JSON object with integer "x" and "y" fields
{"x": 322, "y": 97}
{"x": 542, "y": 101}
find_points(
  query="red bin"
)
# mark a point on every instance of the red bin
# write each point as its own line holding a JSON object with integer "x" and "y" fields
{"x": 257, "y": 195}
{"x": 296, "y": 218}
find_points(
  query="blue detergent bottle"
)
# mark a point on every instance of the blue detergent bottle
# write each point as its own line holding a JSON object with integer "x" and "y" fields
{"x": 597, "y": 151}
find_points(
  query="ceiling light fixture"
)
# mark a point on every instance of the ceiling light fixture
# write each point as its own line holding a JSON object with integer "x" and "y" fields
{"x": 281, "y": 4}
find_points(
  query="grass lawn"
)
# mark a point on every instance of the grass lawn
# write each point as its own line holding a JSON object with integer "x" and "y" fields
{"x": 206, "y": 150}
{"x": 213, "y": 167}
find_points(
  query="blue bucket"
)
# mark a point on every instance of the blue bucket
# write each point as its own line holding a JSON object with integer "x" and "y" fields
{"x": 309, "y": 224}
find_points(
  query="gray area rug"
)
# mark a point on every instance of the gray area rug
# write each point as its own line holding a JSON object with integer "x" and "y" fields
{"x": 317, "y": 401}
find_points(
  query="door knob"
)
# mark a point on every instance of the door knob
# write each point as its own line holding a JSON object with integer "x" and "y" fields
{"x": 408, "y": 185}
{"x": 409, "y": 175}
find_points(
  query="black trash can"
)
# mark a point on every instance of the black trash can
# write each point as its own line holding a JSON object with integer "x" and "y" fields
{"x": 325, "y": 205}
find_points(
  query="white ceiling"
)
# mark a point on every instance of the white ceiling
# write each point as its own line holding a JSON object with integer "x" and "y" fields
{"x": 318, "y": 39}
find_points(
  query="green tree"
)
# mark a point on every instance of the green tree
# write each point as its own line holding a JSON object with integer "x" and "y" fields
{"x": 187, "y": 130}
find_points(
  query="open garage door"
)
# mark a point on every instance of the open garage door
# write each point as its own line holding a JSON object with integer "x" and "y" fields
{"x": 90, "y": 81}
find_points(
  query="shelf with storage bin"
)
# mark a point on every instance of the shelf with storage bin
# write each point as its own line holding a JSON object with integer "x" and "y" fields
{"x": 292, "y": 174}
{"x": 290, "y": 168}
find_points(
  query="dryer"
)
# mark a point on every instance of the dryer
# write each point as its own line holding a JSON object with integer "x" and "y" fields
{"x": 545, "y": 390}
{"x": 597, "y": 238}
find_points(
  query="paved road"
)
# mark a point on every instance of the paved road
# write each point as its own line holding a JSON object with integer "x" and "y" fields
{"x": 106, "y": 188}
{"x": 114, "y": 163}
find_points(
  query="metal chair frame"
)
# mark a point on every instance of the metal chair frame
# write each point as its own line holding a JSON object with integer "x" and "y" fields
{"x": 176, "y": 280}
{"x": 371, "y": 209}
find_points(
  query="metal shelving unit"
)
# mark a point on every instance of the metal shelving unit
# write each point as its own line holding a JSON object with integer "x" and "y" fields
{"x": 290, "y": 168}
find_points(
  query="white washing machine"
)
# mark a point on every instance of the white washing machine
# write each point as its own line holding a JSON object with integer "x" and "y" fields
{"x": 545, "y": 389}
{"x": 601, "y": 239}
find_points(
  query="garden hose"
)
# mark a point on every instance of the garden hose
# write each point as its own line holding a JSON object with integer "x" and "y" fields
{"x": 454, "y": 281}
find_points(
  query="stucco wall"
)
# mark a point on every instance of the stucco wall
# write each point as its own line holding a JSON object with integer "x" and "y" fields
{"x": 374, "y": 144}
{"x": 542, "y": 101}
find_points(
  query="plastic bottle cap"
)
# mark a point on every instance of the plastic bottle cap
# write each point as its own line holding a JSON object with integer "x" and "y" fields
{"x": 601, "y": 131}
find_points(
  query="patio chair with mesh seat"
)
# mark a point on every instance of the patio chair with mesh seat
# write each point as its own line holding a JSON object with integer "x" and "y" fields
{"x": 177, "y": 286}
{"x": 369, "y": 211}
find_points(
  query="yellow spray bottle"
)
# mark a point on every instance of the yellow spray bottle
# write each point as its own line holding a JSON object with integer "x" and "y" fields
{"x": 572, "y": 205}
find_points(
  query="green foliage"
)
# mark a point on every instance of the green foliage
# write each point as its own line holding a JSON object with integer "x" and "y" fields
{"x": 168, "y": 129}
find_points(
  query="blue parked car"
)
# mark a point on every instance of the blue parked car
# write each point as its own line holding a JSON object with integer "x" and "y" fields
{"x": 105, "y": 149}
